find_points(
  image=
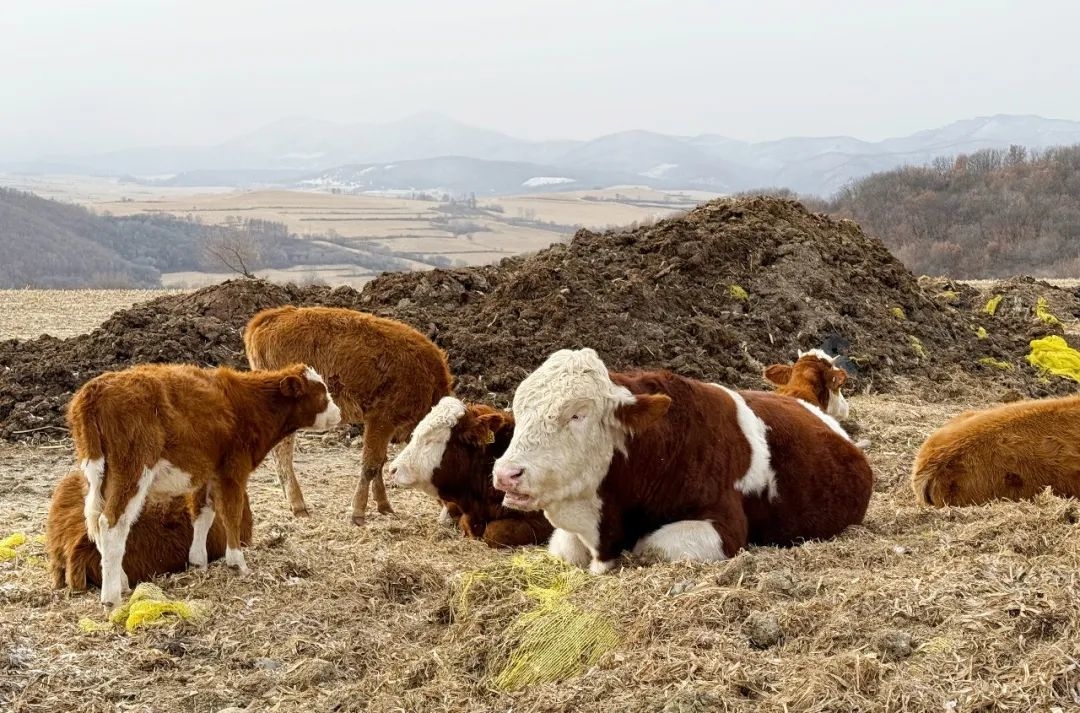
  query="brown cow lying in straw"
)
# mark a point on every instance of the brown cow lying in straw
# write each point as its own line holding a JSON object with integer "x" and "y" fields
{"x": 158, "y": 544}
{"x": 450, "y": 456}
{"x": 1009, "y": 452}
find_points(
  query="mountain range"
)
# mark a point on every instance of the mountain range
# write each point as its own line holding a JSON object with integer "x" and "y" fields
{"x": 430, "y": 152}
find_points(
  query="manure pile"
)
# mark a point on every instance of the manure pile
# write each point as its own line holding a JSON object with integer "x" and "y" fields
{"x": 717, "y": 293}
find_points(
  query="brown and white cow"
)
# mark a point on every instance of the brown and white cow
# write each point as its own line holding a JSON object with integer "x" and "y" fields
{"x": 158, "y": 431}
{"x": 450, "y": 457}
{"x": 814, "y": 378}
{"x": 159, "y": 541}
{"x": 382, "y": 373}
{"x": 1009, "y": 452}
{"x": 662, "y": 465}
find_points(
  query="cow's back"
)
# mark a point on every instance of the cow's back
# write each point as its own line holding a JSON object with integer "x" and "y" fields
{"x": 823, "y": 480}
{"x": 376, "y": 363}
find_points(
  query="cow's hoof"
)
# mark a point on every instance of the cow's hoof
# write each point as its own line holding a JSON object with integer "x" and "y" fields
{"x": 302, "y": 511}
{"x": 385, "y": 509}
{"x": 359, "y": 520}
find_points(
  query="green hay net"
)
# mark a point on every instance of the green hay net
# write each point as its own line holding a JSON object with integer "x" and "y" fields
{"x": 554, "y": 640}
{"x": 1053, "y": 355}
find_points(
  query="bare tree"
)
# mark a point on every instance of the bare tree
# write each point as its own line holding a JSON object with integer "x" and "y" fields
{"x": 237, "y": 251}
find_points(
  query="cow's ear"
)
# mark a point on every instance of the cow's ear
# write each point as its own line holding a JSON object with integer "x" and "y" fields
{"x": 778, "y": 374}
{"x": 837, "y": 377}
{"x": 292, "y": 386}
{"x": 646, "y": 410}
{"x": 493, "y": 422}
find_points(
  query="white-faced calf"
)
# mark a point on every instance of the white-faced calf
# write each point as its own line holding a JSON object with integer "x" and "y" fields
{"x": 814, "y": 378}
{"x": 160, "y": 431}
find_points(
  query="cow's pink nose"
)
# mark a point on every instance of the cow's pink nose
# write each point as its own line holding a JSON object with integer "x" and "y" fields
{"x": 507, "y": 476}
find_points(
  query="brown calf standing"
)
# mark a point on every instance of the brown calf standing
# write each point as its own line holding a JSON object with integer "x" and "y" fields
{"x": 450, "y": 456}
{"x": 382, "y": 373}
{"x": 158, "y": 543}
{"x": 1009, "y": 452}
{"x": 813, "y": 378}
{"x": 160, "y": 431}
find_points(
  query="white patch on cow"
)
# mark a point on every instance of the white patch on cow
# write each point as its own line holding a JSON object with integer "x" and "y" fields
{"x": 601, "y": 567}
{"x": 760, "y": 479}
{"x": 826, "y": 418}
{"x": 112, "y": 541}
{"x": 695, "y": 540}
{"x": 235, "y": 558}
{"x": 313, "y": 376}
{"x": 330, "y": 416}
{"x": 444, "y": 516}
{"x": 415, "y": 464}
{"x": 819, "y": 354}
{"x": 566, "y": 430}
{"x": 200, "y": 529}
{"x": 94, "y": 470}
{"x": 568, "y": 547}
{"x": 169, "y": 481}
{"x": 838, "y": 405}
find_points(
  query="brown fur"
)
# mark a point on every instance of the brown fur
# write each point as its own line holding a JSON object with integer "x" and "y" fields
{"x": 158, "y": 543}
{"x": 381, "y": 372}
{"x": 688, "y": 451}
{"x": 1009, "y": 452}
{"x": 216, "y": 425}
{"x": 811, "y": 379}
{"x": 463, "y": 479}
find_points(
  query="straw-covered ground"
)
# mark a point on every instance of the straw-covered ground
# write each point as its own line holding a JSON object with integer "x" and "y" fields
{"x": 966, "y": 609}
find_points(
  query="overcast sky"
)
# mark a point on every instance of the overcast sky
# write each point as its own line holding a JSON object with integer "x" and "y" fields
{"x": 112, "y": 74}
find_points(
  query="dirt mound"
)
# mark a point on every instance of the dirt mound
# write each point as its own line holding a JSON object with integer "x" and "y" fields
{"x": 717, "y": 293}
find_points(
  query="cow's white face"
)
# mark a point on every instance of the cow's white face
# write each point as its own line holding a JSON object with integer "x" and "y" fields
{"x": 415, "y": 464}
{"x": 570, "y": 420}
{"x": 835, "y": 378}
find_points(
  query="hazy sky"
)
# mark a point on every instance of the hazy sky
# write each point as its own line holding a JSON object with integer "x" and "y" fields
{"x": 111, "y": 74}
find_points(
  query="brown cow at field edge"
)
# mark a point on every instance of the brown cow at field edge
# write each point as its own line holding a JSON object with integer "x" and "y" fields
{"x": 814, "y": 379}
{"x": 1009, "y": 452}
{"x": 381, "y": 372}
{"x": 159, "y": 541}
{"x": 665, "y": 466}
{"x": 450, "y": 456}
{"x": 158, "y": 431}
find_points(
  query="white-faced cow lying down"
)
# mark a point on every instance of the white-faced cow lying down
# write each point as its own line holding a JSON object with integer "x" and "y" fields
{"x": 159, "y": 541}
{"x": 450, "y": 456}
{"x": 814, "y": 378}
{"x": 381, "y": 372}
{"x": 661, "y": 465}
{"x": 1009, "y": 452}
{"x": 161, "y": 431}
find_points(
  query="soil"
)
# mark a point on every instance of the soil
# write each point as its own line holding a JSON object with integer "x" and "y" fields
{"x": 717, "y": 293}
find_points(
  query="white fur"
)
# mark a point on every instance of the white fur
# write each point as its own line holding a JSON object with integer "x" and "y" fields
{"x": 169, "y": 481}
{"x": 235, "y": 558}
{"x": 112, "y": 541}
{"x": 444, "y": 516}
{"x": 695, "y": 540}
{"x": 759, "y": 479}
{"x": 415, "y": 464}
{"x": 562, "y": 459}
{"x": 601, "y": 567}
{"x": 819, "y": 354}
{"x": 568, "y": 547}
{"x": 329, "y": 417}
{"x": 826, "y": 418}
{"x": 201, "y": 528}
{"x": 94, "y": 470}
{"x": 313, "y": 376}
{"x": 838, "y": 405}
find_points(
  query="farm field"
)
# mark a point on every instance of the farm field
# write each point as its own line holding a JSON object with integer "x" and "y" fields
{"x": 965, "y": 609}
{"x": 25, "y": 314}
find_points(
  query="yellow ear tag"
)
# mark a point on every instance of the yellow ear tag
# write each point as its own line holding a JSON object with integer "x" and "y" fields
{"x": 490, "y": 438}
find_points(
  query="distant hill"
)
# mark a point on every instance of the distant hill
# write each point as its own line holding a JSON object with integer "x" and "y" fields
{"x": 987, "y": 214}
{"x": 49, "y": 244}
{"x": 280, "y": 152}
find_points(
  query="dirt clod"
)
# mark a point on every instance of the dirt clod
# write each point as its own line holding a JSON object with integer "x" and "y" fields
{"x": 763, "y": 630}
